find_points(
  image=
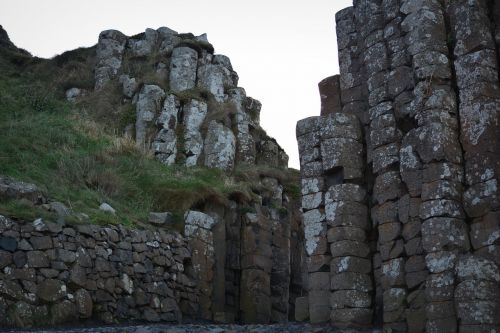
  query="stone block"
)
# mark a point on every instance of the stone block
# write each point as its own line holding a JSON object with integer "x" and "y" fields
{"x": 319, "y": 307}
{"x": 316, "y": 263}
{"x": 301, "y": 308}
{"x": 444, "y": 233}
{"x": 350, "y": 299}
{"x": 353, "y": 316}
{"x": 329, "y": 90}
{"x": 391, "y": 250}
{"x": 440, "y": 287}
{"x": 351, "y": 281}
{"x": 345, "y": 233}
{"x": 477, "y": 290}
{"x": 387, "y": 187}
{"x": 319, "y": 281}
{"x": 350, "y": 264}
{"x": 349, "y": 248}
{"x": 388, "y": 232}
{"x": 441, "y": 261}
{"x": 471, "y": 267}
{"x": 393, "y": 274}
{"x": 346, "y": 192}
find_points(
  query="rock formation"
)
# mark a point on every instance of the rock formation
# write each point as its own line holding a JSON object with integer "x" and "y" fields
{"x": 233, "y": 261}
{"x": 189, "y": 108}
{"x": 400, "y": 198}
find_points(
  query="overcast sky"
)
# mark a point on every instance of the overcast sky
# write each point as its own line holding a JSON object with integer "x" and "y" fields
{"x": 281, "y": 49}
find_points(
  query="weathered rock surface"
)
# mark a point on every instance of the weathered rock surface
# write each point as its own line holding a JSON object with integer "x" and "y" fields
{"x": 178, "y": 99}
{"x": 420, "y": 78}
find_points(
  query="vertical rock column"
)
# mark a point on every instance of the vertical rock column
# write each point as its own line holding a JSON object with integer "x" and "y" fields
{"x": 198, "y": 231}
{"x": 476, "y": 72}
{"x": 476, "y": 69}
{"x": 280, "y": 271}
{"x": 431, "y": 157}
{"x": 353, "y": 93}
{"x": 195, "y": 112}
{"x": 232, "y": 266}
{"x": 351, "y": 283}
{"x": 256, "y": 265}
{"x": 109, "y": 54}
{"x": 245, "y": 146}
{"x": 379, "y": 31}
{"x": 312, "y": 189}
{"x": 347, "y": 220}
{"x": 400, "y": 83}
{"x": 149, "y": 103}
{"x": 165, "y": 143}
{"x": 329, "y": 91}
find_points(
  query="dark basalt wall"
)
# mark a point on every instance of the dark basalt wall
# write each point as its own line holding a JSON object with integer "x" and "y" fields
{"x": 401, "y": 205}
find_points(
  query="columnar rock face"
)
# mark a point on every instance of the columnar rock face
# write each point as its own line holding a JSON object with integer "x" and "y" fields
{"x": 420, "y": 81}
{"x": 189, "y": 108}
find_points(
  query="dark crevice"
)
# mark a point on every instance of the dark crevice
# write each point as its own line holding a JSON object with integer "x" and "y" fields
{"x": 334, "y": 176}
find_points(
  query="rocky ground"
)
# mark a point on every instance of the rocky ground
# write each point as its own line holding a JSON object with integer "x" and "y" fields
{"x": 202, "y": 328}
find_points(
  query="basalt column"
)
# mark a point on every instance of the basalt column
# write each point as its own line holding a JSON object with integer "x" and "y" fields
{"x": 422, "y": 78}
{"x": 335, "y": 220}
{"x": 473, "y": 48}
{"x": 312, "y": 189}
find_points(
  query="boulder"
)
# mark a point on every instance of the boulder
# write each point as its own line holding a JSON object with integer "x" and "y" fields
{"x": 160, "y": 219}
{"x": 83, "y": 302}
{"x": 107, "y": 208}
{"x": 13, "y": 189}
{"x": 51, "y": 290}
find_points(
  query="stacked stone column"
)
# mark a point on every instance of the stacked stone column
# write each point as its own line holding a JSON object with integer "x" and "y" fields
{"x": 335, "y": 220}
{"x": 431, "y": 159}
{"x": 198, "y": 230}
{"x": 312, "y": 189}
{"x": 347, "y": 219}
{"x": 388, "y": 78}
{"x": 256, "y": 265}
{"x": 476, "y": 70}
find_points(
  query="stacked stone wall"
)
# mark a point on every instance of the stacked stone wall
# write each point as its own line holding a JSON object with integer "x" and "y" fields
{"x": 53, "y": 274}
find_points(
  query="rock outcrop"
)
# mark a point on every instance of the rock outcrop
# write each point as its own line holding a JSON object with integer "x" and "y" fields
{"x": 189, "y": 108}
{"x": 400, "y": 200}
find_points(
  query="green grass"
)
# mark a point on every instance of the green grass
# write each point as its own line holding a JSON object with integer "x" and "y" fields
{"x": 73, "y": 160}
{"x": 74, "y": 155}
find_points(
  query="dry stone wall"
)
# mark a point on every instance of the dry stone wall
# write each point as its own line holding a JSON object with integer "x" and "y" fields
{"x": 405, "y": 191}
{"x": 53, "y": 274}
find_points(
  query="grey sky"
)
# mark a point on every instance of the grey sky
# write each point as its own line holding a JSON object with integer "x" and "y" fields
{"x": 280, "y": 49}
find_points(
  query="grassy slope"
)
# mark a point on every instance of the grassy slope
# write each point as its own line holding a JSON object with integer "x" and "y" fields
{"x": 44, "y": 141}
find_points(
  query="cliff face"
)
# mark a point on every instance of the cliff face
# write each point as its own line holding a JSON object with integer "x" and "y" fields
{"x": 400, "y": 172}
